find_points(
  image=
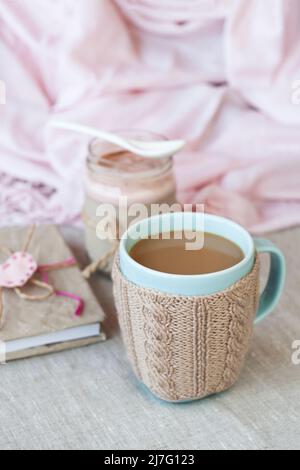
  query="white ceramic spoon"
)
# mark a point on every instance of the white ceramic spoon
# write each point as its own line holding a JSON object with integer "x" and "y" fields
{"x": 152, "y": 149}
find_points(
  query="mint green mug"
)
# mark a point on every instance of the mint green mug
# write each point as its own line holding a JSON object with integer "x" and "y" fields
{"x": 203, "y": 284}
{"x": 187, "y": 336}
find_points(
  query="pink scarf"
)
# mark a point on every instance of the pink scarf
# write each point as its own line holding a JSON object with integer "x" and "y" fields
{"x": 219, "y": 73}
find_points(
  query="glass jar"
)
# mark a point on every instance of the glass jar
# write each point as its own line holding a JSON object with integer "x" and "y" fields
{"x": 118, "y": 178}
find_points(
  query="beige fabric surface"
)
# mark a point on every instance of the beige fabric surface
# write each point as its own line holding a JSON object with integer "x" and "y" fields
{"x": 89, "y": 398}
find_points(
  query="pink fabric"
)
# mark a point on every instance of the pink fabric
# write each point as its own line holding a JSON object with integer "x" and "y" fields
{"x": 219, "y": 73}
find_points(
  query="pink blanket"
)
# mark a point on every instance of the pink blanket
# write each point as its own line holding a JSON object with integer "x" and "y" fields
{"x": 220, "y": 73}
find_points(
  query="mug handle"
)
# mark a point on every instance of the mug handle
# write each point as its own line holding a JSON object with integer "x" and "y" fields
{"x": 273, "y": 290}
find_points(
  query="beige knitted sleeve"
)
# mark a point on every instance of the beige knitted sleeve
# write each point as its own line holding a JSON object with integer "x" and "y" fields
{"x": 186, "y": 347}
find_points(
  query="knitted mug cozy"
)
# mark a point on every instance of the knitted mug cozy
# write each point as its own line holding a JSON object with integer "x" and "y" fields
{"x": 186, "y": 347}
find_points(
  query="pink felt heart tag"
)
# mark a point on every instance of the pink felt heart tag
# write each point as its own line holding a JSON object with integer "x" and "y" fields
{"x": 17, "y": 270}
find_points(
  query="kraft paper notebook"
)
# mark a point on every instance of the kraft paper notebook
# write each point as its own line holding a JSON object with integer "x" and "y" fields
{"x": 39, "y": 327}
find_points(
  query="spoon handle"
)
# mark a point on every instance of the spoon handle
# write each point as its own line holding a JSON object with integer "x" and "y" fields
{"x": 153, "y": 149}
{"x": 91, "y": 131}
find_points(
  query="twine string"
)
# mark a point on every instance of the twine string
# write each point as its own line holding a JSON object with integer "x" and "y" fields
{"x": 36, "y": 282}
{"x": 29, "y": 237}
{"x": 103, "y": 260}
{"x": 44, "y": 283}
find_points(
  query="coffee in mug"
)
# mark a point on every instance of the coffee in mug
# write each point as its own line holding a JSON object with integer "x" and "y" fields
{"x": 172, "y": 254}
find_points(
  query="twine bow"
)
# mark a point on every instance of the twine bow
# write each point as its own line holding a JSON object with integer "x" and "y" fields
{"x": 21, "y": 269}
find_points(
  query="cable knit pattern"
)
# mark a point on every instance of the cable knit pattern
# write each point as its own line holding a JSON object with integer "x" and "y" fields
{"x": 158, "y": 345}
{"x": 187, "y": 347}
{"x": 126, "y": 326}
